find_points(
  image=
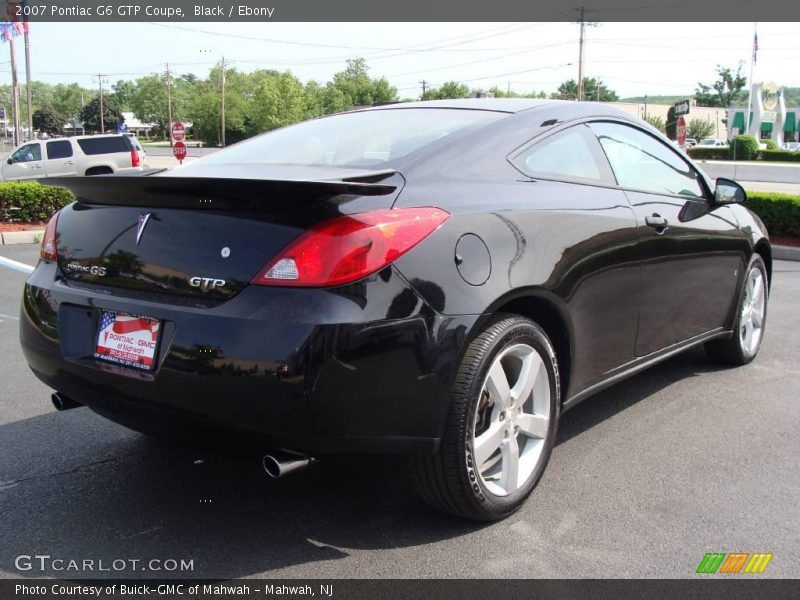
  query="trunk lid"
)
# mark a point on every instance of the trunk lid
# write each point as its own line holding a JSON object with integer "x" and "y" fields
{"x": 200, "y": 237}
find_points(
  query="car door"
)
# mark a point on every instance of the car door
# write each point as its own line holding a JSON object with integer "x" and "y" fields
{"x": 25, "y": 163}
{"x": 586, "y": 220}
{"x": 60, "y": 158}
{"x": 690, "y": 248}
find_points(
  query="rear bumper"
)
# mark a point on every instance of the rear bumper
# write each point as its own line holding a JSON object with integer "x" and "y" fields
{"x": 363, "y": 368}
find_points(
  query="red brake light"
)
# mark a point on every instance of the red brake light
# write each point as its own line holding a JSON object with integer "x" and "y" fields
{"x": 134, "y": 158}
{"x": 49, "y": 251}
{"x": 349, "y": 248}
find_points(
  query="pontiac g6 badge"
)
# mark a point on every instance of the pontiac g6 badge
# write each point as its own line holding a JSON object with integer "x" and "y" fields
{"x": 142, "y": 224}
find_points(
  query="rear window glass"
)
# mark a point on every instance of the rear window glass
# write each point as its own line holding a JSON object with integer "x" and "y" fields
{"x": 59, "y": 149}
{"x": 104, "y": 145}
{"x": 357, "y": 139}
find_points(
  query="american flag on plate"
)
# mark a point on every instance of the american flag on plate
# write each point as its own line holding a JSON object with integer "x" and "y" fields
{"x": 127, "y": 339}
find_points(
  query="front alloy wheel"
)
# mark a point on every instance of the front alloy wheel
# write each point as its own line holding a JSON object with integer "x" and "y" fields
{"x": 751, "y": 316}
{"x": 500, "y": 426}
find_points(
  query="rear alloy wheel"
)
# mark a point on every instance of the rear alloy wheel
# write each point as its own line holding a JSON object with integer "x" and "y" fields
{"x": 501, "y": 424}
{"x": 748, "y": 331}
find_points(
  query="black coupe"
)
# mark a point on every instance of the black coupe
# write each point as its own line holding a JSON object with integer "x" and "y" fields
{"x": 435, "y": 279}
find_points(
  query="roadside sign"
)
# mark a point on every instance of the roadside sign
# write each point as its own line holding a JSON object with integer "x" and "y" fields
{"x": 179, "y": 150}
{"x": 681, "y": 131}
{"x": 682, "y": 108}
{"x": 178, "y": 132}
{"x": 769, "y": 116}
{"x": 122, "y": 128}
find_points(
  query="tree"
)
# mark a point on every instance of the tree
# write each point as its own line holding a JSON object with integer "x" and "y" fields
{"x": 124, "y": 91}
{"x": 569, "y": 91}
{"x": 68, "y": 100}
{"x": 671, "y": 126}
{"x": 726, "y": 91}
{"x": 112, "y": 115}
{"x": 279, "y": 101}
{"x": 357, "y": 89}
{"x": 656, "y": 122}
{"x": 450, "y": 89}
{"x": 46, "y": 120}
{"x": 699, "y": 129}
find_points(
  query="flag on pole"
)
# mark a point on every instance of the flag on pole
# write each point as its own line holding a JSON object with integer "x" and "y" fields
{"x": 755, "y": 46}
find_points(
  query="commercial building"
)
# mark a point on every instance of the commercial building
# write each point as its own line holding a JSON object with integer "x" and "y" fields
{"x": 770, "y": 119}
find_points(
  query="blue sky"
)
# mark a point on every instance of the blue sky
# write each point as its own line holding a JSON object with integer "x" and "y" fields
{"x": 632, "y": 58}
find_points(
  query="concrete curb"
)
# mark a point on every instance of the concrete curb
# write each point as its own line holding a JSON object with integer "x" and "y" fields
{"x": 32, "y": 236}
{"x": 786, "y": 253}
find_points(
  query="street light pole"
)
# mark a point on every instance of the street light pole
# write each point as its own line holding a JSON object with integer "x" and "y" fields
{"x": 222, "y": 111}
{"x": 169, "y": 105}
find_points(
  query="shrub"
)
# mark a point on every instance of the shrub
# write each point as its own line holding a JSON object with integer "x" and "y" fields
{"x": 779, "y": 155}
{"x": 771, "y": 144}
{"x": 744, "y": 147}
{"x": 35, "y": 202}
{"x": 779, "y": 212}
{"x": 721, "y": 153}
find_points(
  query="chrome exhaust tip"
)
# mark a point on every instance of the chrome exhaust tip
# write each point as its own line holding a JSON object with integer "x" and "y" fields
{"x": 279, "y": 465}
{"x": 61, "y": 402}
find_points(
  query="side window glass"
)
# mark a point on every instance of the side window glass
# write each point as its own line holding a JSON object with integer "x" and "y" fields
{"x": 641, "y": 162}
{"x": 28, "y": 153}
{"x": 59, "y": 149}
{"x": 568, "y": 155}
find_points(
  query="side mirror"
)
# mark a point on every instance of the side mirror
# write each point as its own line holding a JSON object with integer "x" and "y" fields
{"x": 10, "y": 161}
{"x": 729, "y": 192}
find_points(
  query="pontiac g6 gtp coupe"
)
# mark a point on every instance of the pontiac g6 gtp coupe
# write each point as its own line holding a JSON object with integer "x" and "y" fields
{"x": 435, "y": 279}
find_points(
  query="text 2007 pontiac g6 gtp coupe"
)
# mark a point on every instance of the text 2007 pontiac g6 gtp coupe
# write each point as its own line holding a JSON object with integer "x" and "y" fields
{"x": 436, "y": 279}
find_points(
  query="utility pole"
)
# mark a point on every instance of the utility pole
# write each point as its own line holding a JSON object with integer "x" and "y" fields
{"x": 424, "y": 87}
{"x": 222, "y": 112}
{"x": 581, "y": 44}
{"x": 102, "y": 106}
{"x": 29, "y": 92}
{"x": 580, "y": 57}
{"x": 14, "y": 91}
{"x": 169, "y": 105}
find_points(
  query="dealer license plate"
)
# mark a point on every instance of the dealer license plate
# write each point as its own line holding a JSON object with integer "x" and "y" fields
{"x": 128, "y": 340}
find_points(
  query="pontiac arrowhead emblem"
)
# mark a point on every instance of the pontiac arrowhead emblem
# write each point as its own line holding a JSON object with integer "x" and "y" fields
{"x": 142, "y": 224}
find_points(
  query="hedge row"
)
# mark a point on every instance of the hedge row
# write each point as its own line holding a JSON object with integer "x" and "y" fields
{"x": 35, "y": 202}
{"x": 780, "y": 212}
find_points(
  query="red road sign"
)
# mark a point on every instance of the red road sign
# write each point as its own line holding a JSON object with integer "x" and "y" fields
{"x": 681, "y": 131}
{"x": 179, "y": 150}
{"x": 178, "y": 132}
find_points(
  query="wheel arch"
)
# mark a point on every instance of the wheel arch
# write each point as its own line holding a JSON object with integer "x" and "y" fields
{"x": 99, "y": 170}
{"x": 546, "y": 310}
{"x": 764, "y": 249}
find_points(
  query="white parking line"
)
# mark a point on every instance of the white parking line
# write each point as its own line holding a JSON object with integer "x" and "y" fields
{"x": 17, "y": 266}
{"x": 2, "y": 316}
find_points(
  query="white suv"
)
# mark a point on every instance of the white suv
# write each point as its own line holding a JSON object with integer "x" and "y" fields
{"x": 81, "y": 155}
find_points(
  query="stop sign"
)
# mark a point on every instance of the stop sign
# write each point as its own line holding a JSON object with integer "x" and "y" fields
{"x": 681, "y": 131}
{"x": 178, "y": 132}
{"x": 179, "y": 150}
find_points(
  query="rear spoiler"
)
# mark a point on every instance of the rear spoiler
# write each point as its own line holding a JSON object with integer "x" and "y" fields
{"x": 214, "y": 192}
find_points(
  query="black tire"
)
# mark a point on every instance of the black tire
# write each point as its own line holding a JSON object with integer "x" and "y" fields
{"x": 446, "y": 480}
{"x": 729, "y": 350}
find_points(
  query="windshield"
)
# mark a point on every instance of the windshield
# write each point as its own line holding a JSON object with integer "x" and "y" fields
{"x": 358, "y": 139}
{"x": 709, "y": 142}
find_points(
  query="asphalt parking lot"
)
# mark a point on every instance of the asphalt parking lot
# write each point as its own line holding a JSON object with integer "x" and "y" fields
{"x": 647, "y": 477}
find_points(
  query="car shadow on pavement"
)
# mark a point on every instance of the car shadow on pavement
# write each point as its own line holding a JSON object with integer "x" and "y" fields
{"x": 74, "y": 486}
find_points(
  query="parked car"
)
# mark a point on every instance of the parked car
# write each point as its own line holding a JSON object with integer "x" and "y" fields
{"x": 690, "y": 142}
{"x": 68, "y": 156}
{"x": 712, "y": 143}
{"x": 792, "y": 146}
{"x": 436, "y": 279}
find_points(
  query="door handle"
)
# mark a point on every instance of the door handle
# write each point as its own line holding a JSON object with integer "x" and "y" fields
{"x": 69, "y": 162}
{"x": 36, "y": 166}
{"x": 657, "y": 222}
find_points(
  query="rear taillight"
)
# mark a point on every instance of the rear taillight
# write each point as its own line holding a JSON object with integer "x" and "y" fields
{"x": 348, "y": 248}
{"x": 134, "y": 158}
{"x": 49, "y": 251}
